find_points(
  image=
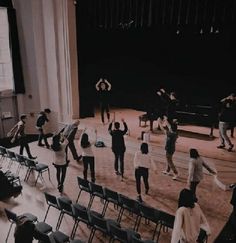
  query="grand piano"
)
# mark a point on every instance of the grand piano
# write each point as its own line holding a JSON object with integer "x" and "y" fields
{"x": 201, "y": 115}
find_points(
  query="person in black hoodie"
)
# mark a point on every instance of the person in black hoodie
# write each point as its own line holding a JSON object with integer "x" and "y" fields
{"x": 41, "y": 120}
{"x": 118, "y": 145}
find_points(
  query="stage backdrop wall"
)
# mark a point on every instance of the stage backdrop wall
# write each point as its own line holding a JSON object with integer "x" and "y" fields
{"x": 138, "y": 60}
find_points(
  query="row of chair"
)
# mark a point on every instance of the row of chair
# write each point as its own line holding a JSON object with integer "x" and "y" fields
{"x": 41, "y": 227}
{"x": 23, "y": 161}
{"x": 93, "y": 219}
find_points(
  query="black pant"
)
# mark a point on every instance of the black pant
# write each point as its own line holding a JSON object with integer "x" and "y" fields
{"x": 42, "y": 136}
{"x": 89, "y": 161}
{"x": 61, "y": 174}
{"x": 24, "y": 144}
{"x": 141, "y": 172}
{"x": 193, "y": 187}
{"x": 119, "y": 156}
{"x": 71, "y": 145}
{"x": 104, "y": 107}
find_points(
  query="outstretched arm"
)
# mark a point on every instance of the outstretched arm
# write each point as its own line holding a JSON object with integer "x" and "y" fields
{"x": 125, "y": 126}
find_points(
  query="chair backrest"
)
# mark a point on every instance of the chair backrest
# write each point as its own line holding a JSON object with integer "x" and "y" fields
{"x": 96, "y": 188}
{"x": 109, "y": 194}
{"x": 12, "y": 217}
{"x": 128, "y": 203}
{"x": 118, "y": 233}
{"x": 166, "y": 219}
{"x": 97, "y": 221}
{"x": 30, "y": 163}
{"x": 51, "y": 199}
{"x": 11, "y": 154}
{"x": 65, "y": 205}
{"x": 3, "y": 151}
{"x": 20, "y": 158}
{"x": 80, "y": 212}
{"x": 149, "y": 212}
{"x": 82, "y": 183}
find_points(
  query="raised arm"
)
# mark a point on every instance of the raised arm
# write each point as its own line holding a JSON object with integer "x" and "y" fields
{"x": 125, "y": 126}
{"x": 98, "y": 83}
{"x": 108, "y": 85}
{"x": 110, "y": 128}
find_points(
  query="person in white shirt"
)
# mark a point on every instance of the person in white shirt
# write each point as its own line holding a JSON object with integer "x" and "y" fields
{"x": 189, "y": 220}
{"x": 60, "y": 160}
{"x": 87, "y": 156}
{"x": 142, "y": 163}
{"x": 195, "y": 171}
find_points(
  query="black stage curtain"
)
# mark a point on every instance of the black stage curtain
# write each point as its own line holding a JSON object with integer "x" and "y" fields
{"x": 143, "y": 45}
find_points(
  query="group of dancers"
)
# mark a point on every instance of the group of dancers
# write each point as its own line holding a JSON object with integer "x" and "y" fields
{"x": 143, "y": 162}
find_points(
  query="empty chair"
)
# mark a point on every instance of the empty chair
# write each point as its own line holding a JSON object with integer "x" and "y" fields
{"x": 150, "y": 214}
{"x": 65, "y": 207}
{"x": 97, "y": 222}
{"x": 12, "y": 217}
{"x": 83, "y": 186}
{"x": 38, "y": 167}
{"x": 95, "y": 191}
{"x": 43, "y": 227}
{"x": 3, "y": 154}
{"x": 20, "y": 159}
{"x": 166, "y": 221}
{"x": 121, "y": 234}
{"x": 52, "y": 202}
{"x": 110, "y": 197}
{"x": 132, "y": 206}
{"x": 11, "y": 156}
{"x": 80, "y": 214}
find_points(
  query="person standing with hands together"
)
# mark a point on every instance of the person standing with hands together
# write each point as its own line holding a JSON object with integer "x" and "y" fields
{"x": 104, "y": 87}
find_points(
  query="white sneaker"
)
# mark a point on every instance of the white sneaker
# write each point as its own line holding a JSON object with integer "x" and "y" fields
{"x": 166, "y": 172}
{"x": 175, "y": 177}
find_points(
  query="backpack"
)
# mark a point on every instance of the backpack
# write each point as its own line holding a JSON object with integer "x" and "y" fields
{"x": 100, "y": 144}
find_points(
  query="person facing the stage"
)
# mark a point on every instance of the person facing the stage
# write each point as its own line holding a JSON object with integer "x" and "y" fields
{"x": 189, "y": 220}
{"x": 118, "y": 145}
{"x": 104, "y": 87}
{"x": 195, "y": 171}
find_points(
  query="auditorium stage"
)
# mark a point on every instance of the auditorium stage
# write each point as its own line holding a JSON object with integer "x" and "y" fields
{"x": 163, "y": 190}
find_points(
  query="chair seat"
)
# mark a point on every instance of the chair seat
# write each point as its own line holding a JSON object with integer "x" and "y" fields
{"x": 98, "y": 194}
{"x": 30, "y": 216}
{"x": 40, "y": 167}
{"x": 60, "y": 237}
{"x": 43, "y": 227}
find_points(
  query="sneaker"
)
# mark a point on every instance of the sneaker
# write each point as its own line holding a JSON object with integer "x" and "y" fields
{"x": 117, "y": 172}
{"x": 33, "y": 157}
{"x": 175, "y": 177}
{"x": 230, "y": 147}
{"x": 165, "y": 172}
{"x": 221, "y": 146}
{"x": 40, "y": 145}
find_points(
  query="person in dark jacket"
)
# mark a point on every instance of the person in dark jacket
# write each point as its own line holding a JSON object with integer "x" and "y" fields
{"x": 118, "y": 145}
{"x": 42, "y": 119}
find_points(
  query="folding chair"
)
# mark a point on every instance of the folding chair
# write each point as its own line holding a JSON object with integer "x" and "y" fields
{"x": 83, "y": 186}
{"x": 95, "y": 191}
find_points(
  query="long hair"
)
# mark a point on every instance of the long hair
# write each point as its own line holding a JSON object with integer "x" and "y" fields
{"x": 56, "y": 146}
{"x": 194, "y": 153}
{"x": 186, "y": 199}
{"x": 144, "y": 148}
{"x": 84, "y": 143}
